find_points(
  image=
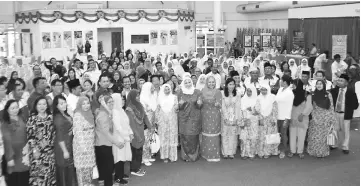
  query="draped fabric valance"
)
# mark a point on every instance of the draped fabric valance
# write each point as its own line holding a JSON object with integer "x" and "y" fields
{"x": 92, "y": 16}
{"x": 320, "y": 31}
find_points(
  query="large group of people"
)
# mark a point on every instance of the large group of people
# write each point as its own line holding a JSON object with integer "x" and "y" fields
{"x": 72, "y": 121}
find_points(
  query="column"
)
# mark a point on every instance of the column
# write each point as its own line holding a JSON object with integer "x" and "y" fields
{"x": 217, "y": 17}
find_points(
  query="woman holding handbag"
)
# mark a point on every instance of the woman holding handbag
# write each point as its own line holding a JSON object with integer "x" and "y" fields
{"x": 266, "y": 107}
{"x": 83, "y": 142}
{"x": 322, "y": 123}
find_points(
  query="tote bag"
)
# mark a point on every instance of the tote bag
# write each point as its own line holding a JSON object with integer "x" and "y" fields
{"x": 273, "y": 139}
{"x": 95, "y": 173}
{"x": 154, "y": 143}
{"x": 332, "y": 137}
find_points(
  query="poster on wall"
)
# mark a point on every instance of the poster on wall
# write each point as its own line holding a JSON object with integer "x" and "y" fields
{"x": 88, "y": 41}
{"x": 173, "y": 37}
{"x": 56, "y": 40}
{"x": 266, "y": 40}
{"x": 153, "y": 37}
{"x": 68, "y": 40}
{"x": 256, "y": 41}
{"x": 247, "y": 41}
{"x": 298, "y": 39}
{"x": 163, "y": 37}
{"x": 273, "y": 41}
{"x": 78, "y": 38}
{"x": 279, "y": 41}
{"x": 46, "y": 40}
{"x": 339, "y": 45}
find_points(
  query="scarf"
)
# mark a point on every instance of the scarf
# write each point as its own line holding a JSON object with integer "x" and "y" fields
{"x": 148, "y": 65}
{"x": 166, "y": 102}
{"x": 320, "y": 97}
{"x": 88, "y": 115}
{"x": 120, "y": 118}
{"x": 304, "y": 67}
{"x": 249, "y": 101}
{"x": 266, "y": 101}
{"x": 201, "y": 82}
{"x": 185, "y": 90}
{"x": 135, "y": 106}
{"x": 147, "y": 98}
{"x": 299, "y": 93}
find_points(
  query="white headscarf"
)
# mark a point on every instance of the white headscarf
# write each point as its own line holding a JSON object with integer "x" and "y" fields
{"x": 225, "y": 70}
{"x": 186, "y": 75}
{"x": 178, "y": 69}
{"x": 249, "y": 101}
{"x": 166, "y": 102}
{"x": 266, "y": 101}
{"x": 293, "y": 68}
{"x": 199, "y": 84}
{"x": 148, "y": 99}
{"x": 304, "y": 67}
{"x": 187, "y": 90}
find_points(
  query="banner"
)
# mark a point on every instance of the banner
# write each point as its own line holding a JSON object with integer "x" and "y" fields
{"x": 339, "y": 45}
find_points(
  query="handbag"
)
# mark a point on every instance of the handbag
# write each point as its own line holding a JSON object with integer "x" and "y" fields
{"x": 95, "y": 173}
{"x": 154, "y": 143}
{"x": 273, "y": 139}
{"x": 332, "y": 137}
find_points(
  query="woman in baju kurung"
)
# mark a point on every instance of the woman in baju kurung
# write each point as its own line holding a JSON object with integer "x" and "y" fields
{"x": 149, "y": 102}
{"x": 41, "y": 134}
{"x": 266, "y": 106}
{"x": 231, "y": 102}
{"x": 323, "y": 119}
{"x": 211, "y": 121}
{"x": 190, "y": 104}
{"x": 302, "y": 107}
{"x": 167, "y": 120}
{"x": 249, "y": 125}
{"x": 83, "y": 141}
{"x": 65, "y": 170}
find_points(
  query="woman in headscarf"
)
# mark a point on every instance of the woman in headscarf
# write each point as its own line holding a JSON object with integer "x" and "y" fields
{"x": 293, "y": 67}
{"x": 248, "y": 133}
{"x": 323, "y": 119}
{"x": 178, "y": 69}
{"x": 83, "y": 141}
{"x": 211, "y": 121}
{"x": 167, "y": 120}
{"x": 137, "y": 121}
{"x": 201, "y": 82}
{"x": 230, "y": 112}
{"x": 303, "y": 67}
{"x": 124, "y": 134}
{"x": 258, "y": 64}
{"x": 127, "y": 68}
{"x": 302, "y": 107}
{"x": 189, "y": 116}
{"x": 148, "y": 66}
{"x": 148, "y": 100}
{"x": 266, "y": 107}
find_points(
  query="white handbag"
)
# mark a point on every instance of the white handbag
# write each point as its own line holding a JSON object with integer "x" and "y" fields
{"x": 95, "y": 173}
{"x": 273, "y": 139}
{"x": 154, "y": 143}
{"x": 332, "y": 137}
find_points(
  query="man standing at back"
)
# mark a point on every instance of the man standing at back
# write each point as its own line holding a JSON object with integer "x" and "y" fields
{"x": 103, "y": 89}
{"x": 40, "y": 85}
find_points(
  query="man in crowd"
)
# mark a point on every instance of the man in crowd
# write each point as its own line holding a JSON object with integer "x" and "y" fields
{"x": 338, "y": 67}
{"x": 216, "y": 76}
{"x": 270, "y": 79}
{"x": 235, "y": 47}
{"x": 37, "y": 73}
{"x": 210, "y": 65}
{"x": 57, "y": 87}
{"x": 320, "y": 75}
{"x": 160, "y": 71}
{"x": 126, "y": 86}
{"x": 73, "y": 97}
{"x": 103, "y": 89}
{"x": 344, "y": 102}
{"x": 3, "y": 96}
{"x": 155, "y": 79}
{"x": 253, "y": 79}
{"x": 39, "y": 83}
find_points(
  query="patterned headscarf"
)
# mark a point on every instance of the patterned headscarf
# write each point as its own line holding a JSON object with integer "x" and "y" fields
{"x": 134, "y": 105}
{"x": 88, "y": 115}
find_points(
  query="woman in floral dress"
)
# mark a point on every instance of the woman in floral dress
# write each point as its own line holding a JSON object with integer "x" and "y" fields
{"x": 167, "y": 120}
{"x": 149, "y": 101}
{"x": 266, "y": 107}
{"x": 83, "y": 142}
{"x": 231, "y": 102}
{"x": 248, "y": 133}
{"x": 211, "y": 121}
{"x": 41, "y": 135}
{"x": 323, "y": 119}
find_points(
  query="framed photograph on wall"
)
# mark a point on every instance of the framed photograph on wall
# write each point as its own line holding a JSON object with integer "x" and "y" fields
{"x": 247, "y": 41}
{"x": 163, "y": 37}
{"x": 279, "y": 41}
{"x": 67, "y": 39}
{"x": 153, "y": 37}
{"x": 256, "y": 40}
{"x": 274, "y": 41}
{"x": 173, "y": 40}
{"x": 56, "y": 39}
{"x": 266, "y": 41}
{"x": 46, "y": 40}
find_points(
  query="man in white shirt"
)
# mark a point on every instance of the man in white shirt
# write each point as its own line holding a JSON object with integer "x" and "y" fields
{"x": 94, "y": 72}
{"x": 268, "y": 78}
{"x": 338, "y": 67}
{"x": 72, "y": 99}
{"x": 320, "y": 75}
{"x": 78, "y": 71}
{"x": 284, "y": 100}
{"x": 216, "y": 76}
{"x": 253, "y": 79}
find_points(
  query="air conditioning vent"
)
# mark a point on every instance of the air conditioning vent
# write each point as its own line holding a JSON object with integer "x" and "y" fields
{"x": 257, "y": 6}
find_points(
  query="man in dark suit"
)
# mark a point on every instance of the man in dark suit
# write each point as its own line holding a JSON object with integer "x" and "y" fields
{"x": 345, "y": 102}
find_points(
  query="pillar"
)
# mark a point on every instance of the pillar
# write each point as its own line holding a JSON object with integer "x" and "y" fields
{"x": 217, "y": 21}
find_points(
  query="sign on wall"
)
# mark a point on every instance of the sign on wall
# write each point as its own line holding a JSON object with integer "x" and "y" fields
{"x": 68, "y": 40}
{"x": 153, "y": 37}
{"x": 173, "y": 37}
{"x": 163, "y": 37}
{"x": 339, "y": 45}
{"x": 56, "y": 40}
{"x": 46, "y": 39}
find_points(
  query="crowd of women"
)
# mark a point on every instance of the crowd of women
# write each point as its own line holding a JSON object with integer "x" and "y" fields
{"x": 75, "y": 121}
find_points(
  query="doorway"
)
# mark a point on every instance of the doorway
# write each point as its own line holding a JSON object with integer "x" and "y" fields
{"x": 110, "y": 40}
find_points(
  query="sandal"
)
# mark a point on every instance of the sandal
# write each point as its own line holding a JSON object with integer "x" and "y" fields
{"x": 282, "y": 155}
{"x": 290, "y": 155}
{"x": 301, "y": 155}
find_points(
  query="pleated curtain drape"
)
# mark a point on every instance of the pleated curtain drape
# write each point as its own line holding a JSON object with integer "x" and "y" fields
{"x": 320, "y": 31}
